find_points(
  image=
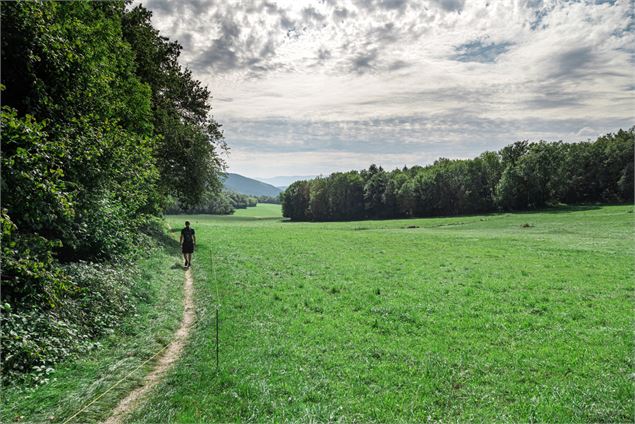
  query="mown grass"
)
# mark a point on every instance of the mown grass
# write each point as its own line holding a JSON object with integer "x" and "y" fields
{"x": 261, "y": 210}
{"x": 505, "y": 317}
{"x": 159, "y": 280}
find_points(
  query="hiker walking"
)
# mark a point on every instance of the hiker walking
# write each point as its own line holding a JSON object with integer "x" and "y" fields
{"x": 188, "y": 241}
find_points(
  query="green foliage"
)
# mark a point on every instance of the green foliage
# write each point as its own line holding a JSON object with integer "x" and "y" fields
{"x": 375, "y": 192}
{"x": 534, "y": 179}
{"x": 33, "y": 184}
{"x": 274, "y": 200}
{"x": 96, "y": 297}
{"x": 67, "y": 65}
{"x": 68, "y": 60}
{"x": 114, "y": 177}
{"x": 295, "y": 201}
{"x": 214, "y": 203}
{"x": 345, "y": 193}
{"x": 319, "y": 204}
{"x": 30, "y": 275}
{"x": 188, "y": 152}
{"x": 90, "y": 116}
{"x": 521, "y": 176}
{"x": 241, "y": 201}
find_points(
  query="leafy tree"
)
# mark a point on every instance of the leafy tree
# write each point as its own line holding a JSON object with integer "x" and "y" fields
{"x": 223, "y": 203}
{"x": 270, "y": 199}
{"x": 64, "y": 61}
{"x": 346, "y": 199}
{"x": 491, "y": 168}
{"x": 319, "y": 202}
{"x": 536, "y": 177}
{"x": 67, "y": 64}
{"x": 511, "y": 192}
{"x": 295, "y": 201}
{"x": 33, "y": 186}
{"x": 406, "y": 199}
{"x": 188, "y": 154}
{"x": 616, "y": 174}
{"x": 374, "y": 194}
{"x": 391, "y": 193}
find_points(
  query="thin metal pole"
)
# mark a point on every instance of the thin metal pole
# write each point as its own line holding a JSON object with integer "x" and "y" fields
{"x": 216, "y": 338}
{"x": 211, "y": 259}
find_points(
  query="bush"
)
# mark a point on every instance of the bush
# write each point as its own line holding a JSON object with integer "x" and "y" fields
{"x": 97, "y": 297}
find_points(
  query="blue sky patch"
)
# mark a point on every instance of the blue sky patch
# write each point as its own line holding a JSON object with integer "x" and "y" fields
{"x": 477, "y": 51}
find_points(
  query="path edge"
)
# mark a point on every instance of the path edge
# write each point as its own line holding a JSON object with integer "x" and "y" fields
{"x": 172, "y": 353}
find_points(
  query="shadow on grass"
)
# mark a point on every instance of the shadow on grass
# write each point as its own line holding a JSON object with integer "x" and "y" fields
{"x": 256, "y": 218}
{"x": 559, "y": 209}
{"x": 565, "y": 209}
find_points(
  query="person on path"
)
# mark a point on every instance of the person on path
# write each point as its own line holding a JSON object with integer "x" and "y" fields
{"x": 188, "y": 242}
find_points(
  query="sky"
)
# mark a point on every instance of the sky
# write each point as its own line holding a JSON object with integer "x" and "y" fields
{"x": 314, "y": 87}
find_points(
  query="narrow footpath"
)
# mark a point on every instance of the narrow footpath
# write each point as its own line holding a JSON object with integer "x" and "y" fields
{"x": 165, "y": 361}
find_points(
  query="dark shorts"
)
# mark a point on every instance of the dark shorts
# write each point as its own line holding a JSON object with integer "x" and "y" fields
{"x": 188, "y": 248}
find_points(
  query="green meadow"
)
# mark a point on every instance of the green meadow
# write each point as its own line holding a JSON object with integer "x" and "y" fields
{"x": 503, "y": 317}
{"x": 262, "y": 210}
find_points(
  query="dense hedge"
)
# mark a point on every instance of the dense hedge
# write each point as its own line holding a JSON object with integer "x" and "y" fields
{"x": 519, "y": 177}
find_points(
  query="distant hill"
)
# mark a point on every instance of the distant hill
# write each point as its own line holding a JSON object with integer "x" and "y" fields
{"x": 283, "y": 182}
{"x": 251, "y": 187}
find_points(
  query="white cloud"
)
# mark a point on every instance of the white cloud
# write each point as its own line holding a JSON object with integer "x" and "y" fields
{"x": 502, "y": 66}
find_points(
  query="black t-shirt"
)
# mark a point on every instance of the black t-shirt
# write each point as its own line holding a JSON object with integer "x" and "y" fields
{"x": 187, "y": 234}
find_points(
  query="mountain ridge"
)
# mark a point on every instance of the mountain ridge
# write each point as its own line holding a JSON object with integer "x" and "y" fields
{"x": 249, "y": 186}
{"x": 284, "y": 180}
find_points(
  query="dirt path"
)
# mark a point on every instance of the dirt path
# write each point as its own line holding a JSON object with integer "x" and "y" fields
{"x": 171, "y": 354}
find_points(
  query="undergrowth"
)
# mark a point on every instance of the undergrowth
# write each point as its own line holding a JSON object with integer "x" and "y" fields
{"x": 90, "y": 302}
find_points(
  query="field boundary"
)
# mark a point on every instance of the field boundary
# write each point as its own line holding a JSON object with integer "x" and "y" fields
{"x": 171, "y": 354}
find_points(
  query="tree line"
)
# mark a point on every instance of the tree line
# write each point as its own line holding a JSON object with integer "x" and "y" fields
{"x": 101, "y": 126}
{"x": 223, "y": 203}
{"x": 521, "y": 176}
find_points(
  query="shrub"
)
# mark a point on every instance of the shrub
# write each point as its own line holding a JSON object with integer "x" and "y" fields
{"x": 97, "y": 297}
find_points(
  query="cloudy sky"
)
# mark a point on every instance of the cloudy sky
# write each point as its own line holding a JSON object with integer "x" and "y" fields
{"x": 311, "y": 87}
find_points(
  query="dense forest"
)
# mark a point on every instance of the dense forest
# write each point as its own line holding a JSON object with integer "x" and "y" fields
{"x": 101, "y": 127}
{"x": 521, "y": 176}
{"x": 223, "y": 203}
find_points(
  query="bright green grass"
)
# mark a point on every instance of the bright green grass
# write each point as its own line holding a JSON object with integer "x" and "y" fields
{"x": 75, "y": 383}
{"x": 261, "y": 210}
{"x": 469, "y": 318}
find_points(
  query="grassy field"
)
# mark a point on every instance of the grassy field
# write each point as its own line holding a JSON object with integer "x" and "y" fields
{"x": 74, "y": 384}
{"x": 262, "y": 210}
{"x": 507, "y": 317}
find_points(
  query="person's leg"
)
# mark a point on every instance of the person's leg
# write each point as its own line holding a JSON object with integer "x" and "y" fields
{"x": 189, "y": 259}
{"x": 185, "y": 258}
